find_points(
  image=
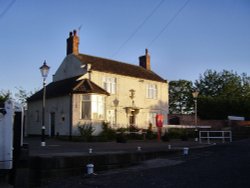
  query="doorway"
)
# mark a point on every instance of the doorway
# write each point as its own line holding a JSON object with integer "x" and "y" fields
{"x": 52, "y": 124}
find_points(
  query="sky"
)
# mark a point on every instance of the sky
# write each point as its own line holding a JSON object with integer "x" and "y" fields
{"x": 184, "y": 37}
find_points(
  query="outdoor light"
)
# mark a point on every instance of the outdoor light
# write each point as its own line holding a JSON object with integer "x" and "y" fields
{"x": 195, "y": 96}
{"x": 44, "y": 71}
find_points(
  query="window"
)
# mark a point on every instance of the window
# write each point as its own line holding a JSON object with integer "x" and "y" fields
{"x": 111, "y": 117}
{"x": 109, "y": 84}
{"x": 37, "y": 116}
{"x": 86, "y": 107}
{"x": 152, "y": 91}
{"x": 151, "y": 118}
{"x": 93, "y": 107}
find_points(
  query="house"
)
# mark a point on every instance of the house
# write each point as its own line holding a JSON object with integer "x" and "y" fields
{"x": 88, "y": 89}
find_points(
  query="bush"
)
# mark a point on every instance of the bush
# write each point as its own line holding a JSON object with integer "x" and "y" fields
{"x": 149, "y": 133}
{"x": 86, "y": 131}
{"x": 165, "y": 137}
{"x": 108, "y": 133}
{"x": 121, "y": 138}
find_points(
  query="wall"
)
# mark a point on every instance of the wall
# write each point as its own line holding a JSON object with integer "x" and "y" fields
{"x": 190, "y": 120}
{"x": 59, "y": 106}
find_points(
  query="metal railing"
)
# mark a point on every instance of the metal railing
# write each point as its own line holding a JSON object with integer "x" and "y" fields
{"x": 211, "y": 135}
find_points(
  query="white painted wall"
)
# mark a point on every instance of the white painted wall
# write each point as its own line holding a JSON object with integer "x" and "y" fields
{"x": 6, "y": 136}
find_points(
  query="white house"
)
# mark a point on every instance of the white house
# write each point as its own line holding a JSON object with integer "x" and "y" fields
{"x": 88, "y": 89}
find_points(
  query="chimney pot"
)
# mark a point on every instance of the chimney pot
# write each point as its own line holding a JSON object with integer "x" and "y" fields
{"x": 73, "y": 43}
{"x": 144, "y": 61}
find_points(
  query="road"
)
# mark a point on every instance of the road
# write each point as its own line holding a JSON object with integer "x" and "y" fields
{"x": 219, "y": 166}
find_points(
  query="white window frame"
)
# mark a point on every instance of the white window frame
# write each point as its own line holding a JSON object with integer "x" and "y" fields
{"x": 97, "y": 107}
{"x": 152, "y": 91}
{"x": 151, "y": 118}
{"x": 109, "y": 84}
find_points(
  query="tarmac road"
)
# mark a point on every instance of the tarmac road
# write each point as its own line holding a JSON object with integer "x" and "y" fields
{"x": 226, "y": 165}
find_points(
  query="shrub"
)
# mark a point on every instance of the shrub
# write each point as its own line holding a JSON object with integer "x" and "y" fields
{"x": 149, "y": 133}
{"x": 86, "y": 131}
{"x": 165, "y": 137}
{"x": 108, "y": 133}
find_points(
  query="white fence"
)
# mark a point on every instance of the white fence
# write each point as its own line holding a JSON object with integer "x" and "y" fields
{"x": 212, "y": 135}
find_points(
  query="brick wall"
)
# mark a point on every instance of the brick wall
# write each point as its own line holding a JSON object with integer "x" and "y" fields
{"x": 185, "y": 119}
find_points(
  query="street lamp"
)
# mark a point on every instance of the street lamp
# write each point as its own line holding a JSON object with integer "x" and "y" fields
{"x": 44, "y": 71}
{"x": 195, "y": 96}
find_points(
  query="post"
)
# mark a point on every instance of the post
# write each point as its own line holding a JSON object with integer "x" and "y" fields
{"x": 44, "y": 71}
{"x": 43, "y": 143}
{"x": 195, "y": 96}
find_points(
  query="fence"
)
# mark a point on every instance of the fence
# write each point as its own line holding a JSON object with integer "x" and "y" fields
{"x": 212, "y": 135}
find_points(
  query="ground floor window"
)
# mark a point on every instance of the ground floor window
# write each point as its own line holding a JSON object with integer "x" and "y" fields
{"x": 151, "y": 118}
{"x": 93, "y": 107}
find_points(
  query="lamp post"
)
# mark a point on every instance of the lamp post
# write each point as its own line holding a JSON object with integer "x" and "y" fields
{"x": 195, "y": 96}
{"x": 116, "y": 103}
{"x": 44, "y": 71}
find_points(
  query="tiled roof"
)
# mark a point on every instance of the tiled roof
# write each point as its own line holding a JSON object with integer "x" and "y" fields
{"x": 116, "y": 67}
{"x": 68, "y": 86}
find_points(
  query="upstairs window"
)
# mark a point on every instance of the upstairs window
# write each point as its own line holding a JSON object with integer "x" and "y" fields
{"x": 109, "y": 84}
{"x": 152, "y": 91}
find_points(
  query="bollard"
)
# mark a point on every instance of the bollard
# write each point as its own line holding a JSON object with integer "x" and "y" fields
{"x": 138, "y": 148}
{"x": 90, "y": 168}
{"x": 90, "y": 150}
{"x": 169, "y": 146}
{"x": 185, "y": 151}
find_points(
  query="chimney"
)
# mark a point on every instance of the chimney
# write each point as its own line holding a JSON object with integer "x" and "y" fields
{"x": 73, "y": 43}
{"x": 145, "y": 60}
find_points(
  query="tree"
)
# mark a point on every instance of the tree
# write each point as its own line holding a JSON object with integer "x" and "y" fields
{"x": 222, "y": 94}
{"x": 180, "y": 97}
{"x": 4, "y": 95}
{"x": 22, "y": 95}
{"x": 224, "y": 84}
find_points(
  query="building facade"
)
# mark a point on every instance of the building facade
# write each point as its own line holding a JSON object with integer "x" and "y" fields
{"x": 90, "y": 90}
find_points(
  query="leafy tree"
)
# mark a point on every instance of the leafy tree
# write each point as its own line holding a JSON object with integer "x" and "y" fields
{"x": 222, "y": 94}
{"x": 22, "y": 95}
{"x": 223, "y": 84}
{"x": 4, "y": 95}
{"x": 180, "y": 97}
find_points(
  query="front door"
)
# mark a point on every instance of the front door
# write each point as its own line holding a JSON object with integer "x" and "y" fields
{"x": 52, "y": 124}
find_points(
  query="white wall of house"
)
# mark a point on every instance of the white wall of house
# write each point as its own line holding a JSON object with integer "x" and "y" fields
{"x": 59, "y": 107}
{"x": 146, "y": 105}
{"x": 70, "y": 67}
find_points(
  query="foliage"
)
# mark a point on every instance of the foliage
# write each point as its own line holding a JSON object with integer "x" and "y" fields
{"x": 222, "y": 94}
{"x": 180, "y": 97}
{"x": 149, "y": 133}
{"x": 223, "y": 84}
{"x": 221, "y": 108}
{"x": 121, "y": 138}
{"x": 108, "y": 133}
{"x": 86, "y": 131}
{"x": 165, "y": 137}
{"x": 22, "y": 95}
{"x": 183, "y": 134}
{"x": 4, "y": 95}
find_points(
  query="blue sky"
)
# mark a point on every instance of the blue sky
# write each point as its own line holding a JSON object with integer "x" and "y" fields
{"x": 198, "y": 35}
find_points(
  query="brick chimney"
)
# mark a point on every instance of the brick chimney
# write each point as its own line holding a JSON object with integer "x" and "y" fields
{"x": 73, "y": 43}
{"x": 145, "y": 60}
